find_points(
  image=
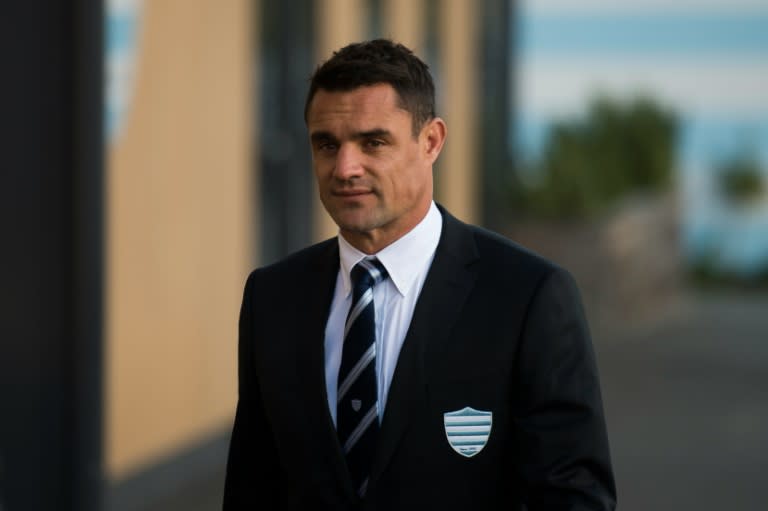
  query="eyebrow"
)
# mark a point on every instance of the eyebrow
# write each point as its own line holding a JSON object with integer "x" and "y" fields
{"x": 376, "y": 132}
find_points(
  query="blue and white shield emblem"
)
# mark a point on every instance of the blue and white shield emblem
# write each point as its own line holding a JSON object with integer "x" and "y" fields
{"x": 468, "y": 430}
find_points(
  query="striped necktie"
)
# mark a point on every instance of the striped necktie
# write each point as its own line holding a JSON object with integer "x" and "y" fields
{"x": 357, "y": 406}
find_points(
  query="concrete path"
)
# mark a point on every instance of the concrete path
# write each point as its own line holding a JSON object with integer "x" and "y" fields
{"x": 686, "y": 400}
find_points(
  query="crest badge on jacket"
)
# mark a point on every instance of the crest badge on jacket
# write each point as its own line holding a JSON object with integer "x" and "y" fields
{"x": 468, "y": 430}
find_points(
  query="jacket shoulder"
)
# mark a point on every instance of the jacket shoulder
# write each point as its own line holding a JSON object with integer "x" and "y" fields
{"x": 293, "y": 266}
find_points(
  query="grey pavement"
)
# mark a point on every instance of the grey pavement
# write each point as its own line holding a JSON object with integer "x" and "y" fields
{"x": 686, "y": 398}
{"x": 204, "y": 495}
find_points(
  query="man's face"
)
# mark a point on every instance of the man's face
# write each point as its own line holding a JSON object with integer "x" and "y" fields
{"x": 373, "y": 174}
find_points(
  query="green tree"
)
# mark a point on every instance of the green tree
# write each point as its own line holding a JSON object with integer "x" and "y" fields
{"x": 740, "y": 179}
{"x": 588, "y": 164}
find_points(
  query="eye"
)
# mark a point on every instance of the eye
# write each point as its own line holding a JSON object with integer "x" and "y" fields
{"x": 374, "y": 143}
{"x": 326, "y": 147}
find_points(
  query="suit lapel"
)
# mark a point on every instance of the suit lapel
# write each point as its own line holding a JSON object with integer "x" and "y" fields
{"x": 320, "y": 282}
{"x": 449, "y": 281}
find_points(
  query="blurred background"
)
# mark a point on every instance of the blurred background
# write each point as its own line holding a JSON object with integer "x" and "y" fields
{"x": 155, "y": 152}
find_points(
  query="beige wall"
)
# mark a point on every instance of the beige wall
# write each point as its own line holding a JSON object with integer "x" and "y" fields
{"x": 180, "y": 231}
{"x": 459, "y": 179}
{"x": 404, "y": 22}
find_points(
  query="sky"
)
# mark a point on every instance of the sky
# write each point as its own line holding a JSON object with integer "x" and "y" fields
{"x": 635, "y": 6}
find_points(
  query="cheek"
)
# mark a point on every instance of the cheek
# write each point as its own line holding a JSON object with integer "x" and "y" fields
{"x": 408, "y": 180}
{"x": 416, "y": 178}
{"x": 321, "y": 172}
{"x": 405, "y": 189}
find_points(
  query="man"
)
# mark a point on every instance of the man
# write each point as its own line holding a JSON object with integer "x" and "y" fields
{"x": 413, "y": 362}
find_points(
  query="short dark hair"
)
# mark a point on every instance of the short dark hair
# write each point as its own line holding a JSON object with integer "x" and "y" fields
{"x": 374, "y": 62}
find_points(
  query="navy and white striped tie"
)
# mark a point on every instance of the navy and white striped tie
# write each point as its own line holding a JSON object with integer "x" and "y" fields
{"x": 357, "y": 406}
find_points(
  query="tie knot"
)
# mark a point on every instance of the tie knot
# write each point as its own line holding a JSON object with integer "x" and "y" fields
{"x": 367, "y": 273}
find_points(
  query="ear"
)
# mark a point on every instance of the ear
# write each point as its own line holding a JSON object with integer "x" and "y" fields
{"x": 433, "y": 137}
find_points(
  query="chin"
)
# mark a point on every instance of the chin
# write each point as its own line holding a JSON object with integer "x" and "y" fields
{"x": 356, "y": 222}
{"x": 356, "y": 227}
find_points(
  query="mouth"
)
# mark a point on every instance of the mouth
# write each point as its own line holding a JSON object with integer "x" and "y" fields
{"x": 350, "y": 193}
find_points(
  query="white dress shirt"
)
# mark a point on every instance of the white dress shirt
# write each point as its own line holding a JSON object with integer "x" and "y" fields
{"x": 407, "y": 261}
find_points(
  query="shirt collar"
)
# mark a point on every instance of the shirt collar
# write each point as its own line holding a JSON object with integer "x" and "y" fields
{"x": 404, "y": 259}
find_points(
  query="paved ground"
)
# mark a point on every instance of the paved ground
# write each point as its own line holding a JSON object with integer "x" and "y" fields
{"x": 687, "y": 404}
{"x": 686, "y": 398}
{"x": 200, "y": 496}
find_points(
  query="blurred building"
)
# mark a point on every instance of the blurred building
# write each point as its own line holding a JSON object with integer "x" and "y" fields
{"x": 169, "y": 160}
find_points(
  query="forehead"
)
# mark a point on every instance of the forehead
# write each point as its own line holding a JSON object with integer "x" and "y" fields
{"x": 364, "y": 107}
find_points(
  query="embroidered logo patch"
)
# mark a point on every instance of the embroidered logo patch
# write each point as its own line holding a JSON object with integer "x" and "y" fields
{"x": 467, "y": 430}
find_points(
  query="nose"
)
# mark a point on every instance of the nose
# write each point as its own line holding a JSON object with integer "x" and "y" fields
{"x": 348, "y": 162}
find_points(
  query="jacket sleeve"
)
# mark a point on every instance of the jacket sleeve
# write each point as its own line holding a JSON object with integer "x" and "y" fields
{"x": 560, "y": 432}
{"x": 252, "y": 455}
